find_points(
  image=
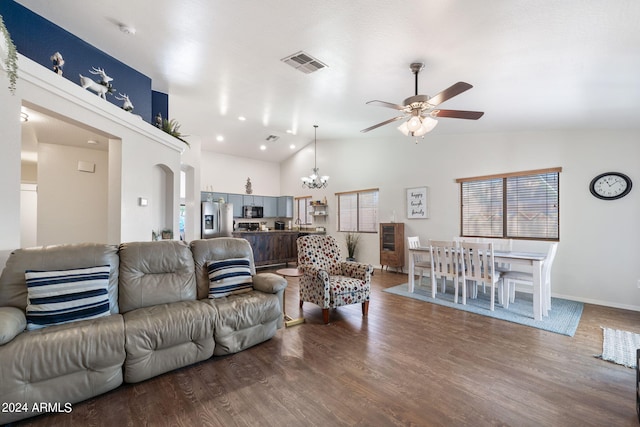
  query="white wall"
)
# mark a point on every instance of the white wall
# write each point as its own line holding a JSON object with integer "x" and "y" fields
{"x": 9, "y": 165}
{"x": 72, "y": 205}
{"x": 28, "y": 215}
{"x": 597, "y": 259}
{"x": 228, "y": 174}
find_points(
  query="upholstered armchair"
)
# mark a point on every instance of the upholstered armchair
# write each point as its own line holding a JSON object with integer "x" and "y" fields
{"x": 327, "y": 280}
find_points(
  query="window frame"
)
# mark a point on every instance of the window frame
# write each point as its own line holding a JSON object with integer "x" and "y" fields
{"x": 307, "y": 219}
{"x": 505, "y": 206}
{"x": 358, "y": 193}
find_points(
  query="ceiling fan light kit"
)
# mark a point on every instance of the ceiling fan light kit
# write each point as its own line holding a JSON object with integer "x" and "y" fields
{"x": 315, "y": 180}
{"x": 419, "y": 110}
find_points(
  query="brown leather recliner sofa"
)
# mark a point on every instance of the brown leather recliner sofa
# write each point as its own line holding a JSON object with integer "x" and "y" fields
{"x": 159, "y": 319}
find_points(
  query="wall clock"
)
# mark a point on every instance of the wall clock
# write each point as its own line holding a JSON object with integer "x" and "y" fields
{"x": 610, "y": 185}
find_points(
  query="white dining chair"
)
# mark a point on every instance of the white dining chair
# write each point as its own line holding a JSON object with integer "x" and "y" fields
{"x": 478, "y": 266}
{"x": 421, "y": 261}
{"x": 445, "y": 262}
{"x": 511, "y": 277}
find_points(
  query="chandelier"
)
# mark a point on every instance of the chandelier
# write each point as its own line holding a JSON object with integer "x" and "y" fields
{"x": 315, "y": 180}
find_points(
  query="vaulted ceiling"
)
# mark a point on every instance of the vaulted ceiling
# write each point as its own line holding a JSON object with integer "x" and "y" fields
{"x": 534, "y": 65}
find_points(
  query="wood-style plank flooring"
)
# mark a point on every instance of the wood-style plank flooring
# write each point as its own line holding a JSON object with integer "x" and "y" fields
{"x": 408, "y": 363}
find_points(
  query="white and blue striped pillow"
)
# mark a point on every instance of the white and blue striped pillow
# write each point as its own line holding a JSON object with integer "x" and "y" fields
{"x": 229, "y": 276}
{"x": 63, "y": 296}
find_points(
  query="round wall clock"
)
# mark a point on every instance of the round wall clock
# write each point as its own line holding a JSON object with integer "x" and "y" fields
{"x": 610, "y": 185}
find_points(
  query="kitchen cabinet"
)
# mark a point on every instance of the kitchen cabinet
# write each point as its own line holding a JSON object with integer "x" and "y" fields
{"x": 236, "y": 201}
{"x": 250, "y": 200}
{"x": 285, "y": 206}
{"x": 212, "y": 196}
{"x": 392, "y": 244}
{"x": 270, "y": 207}
{"x": 271, "y": 247}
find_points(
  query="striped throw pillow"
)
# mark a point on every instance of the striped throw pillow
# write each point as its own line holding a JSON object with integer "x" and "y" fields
{"x": 229, "y": 276}
{"x": 63, "y": 296}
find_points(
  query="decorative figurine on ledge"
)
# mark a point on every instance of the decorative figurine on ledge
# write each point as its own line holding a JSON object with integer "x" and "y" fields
{"x": 58, "y": 63}
{"x": 126, "y": 105}
{"x": 247, "y": 186}
{"x": 158, "y": 121}
{"x": 102, "y": 87}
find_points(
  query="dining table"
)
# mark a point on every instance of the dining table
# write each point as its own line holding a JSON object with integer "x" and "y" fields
{"x": 541, "y": 292}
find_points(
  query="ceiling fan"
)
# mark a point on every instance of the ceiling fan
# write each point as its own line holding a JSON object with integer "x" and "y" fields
{"x": 420, "y": 109}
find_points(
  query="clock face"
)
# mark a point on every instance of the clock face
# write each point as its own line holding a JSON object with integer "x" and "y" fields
{"x": 610, "y": 186}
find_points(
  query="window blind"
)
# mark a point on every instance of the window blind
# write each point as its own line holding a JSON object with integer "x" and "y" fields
{"x": 523, "y": 205}
{"x": 358, "y": 211}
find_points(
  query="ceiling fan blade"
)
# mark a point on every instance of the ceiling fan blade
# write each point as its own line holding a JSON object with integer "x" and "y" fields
{"x": 449, "y": 93}
{"x": 386, "y": 104}
{"x": 458, "y": 114}
{"x": 386, "y": 122}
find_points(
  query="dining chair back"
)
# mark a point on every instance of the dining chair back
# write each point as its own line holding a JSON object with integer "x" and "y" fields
{"x": 421, "y": 262}
{"x": 478, "y": 265}
{"x": 445, "y": 262}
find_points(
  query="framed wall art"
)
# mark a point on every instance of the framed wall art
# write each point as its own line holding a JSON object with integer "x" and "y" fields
{"x": 417, "y": 203}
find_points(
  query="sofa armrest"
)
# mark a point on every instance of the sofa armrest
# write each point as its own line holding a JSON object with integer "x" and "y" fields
{"x": 12, "y": 322}
{"x": 269, "y": 283}
{"x": 356, "y": 270}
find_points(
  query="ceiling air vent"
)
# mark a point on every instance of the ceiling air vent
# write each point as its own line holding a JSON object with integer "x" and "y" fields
{"x": 304, "y": 62}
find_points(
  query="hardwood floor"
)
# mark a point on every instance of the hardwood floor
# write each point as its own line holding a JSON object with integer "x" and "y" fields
{"x": 408, "y": 363}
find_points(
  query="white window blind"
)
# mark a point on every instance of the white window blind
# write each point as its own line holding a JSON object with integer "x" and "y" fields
{"x": 523, "y": 205}
{"x": 482, "y": 208}
{"x": 358, "y": 211}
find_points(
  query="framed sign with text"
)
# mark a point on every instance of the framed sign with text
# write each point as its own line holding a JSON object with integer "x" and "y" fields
{"x": 417, "y": 203}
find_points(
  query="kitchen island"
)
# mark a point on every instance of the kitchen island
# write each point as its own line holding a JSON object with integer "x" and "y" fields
{"x": 274, "y": 246}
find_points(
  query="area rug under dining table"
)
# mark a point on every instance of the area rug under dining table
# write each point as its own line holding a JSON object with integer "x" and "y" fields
{"x": 563, "y": 318}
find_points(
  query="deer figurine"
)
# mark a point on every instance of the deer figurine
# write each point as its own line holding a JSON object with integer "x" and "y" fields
{"x": 126, "y": 105}
{"x": 102, "y": 87}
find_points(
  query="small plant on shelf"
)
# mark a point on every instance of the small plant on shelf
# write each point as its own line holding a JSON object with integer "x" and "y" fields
{"x": 11, "y": 60}
{"x": 172, "y": 127}
{"x": 352, "y": 239}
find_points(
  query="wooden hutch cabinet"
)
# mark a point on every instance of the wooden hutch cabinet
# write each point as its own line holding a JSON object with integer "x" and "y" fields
{"x": 392, "y": 244}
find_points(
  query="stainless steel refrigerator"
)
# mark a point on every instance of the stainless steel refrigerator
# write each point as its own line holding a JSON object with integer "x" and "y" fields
{"x": 217, "y": 219}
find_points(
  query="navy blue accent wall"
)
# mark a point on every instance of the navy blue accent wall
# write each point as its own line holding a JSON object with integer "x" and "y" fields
{"x": 38, "y": 39}
{"x": 159, "y": 104}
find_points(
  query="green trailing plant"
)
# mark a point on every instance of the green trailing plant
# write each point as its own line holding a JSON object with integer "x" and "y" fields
{"x": 11, "y": 61}
{"x": 172, "y": 127}
{"x": 352, "y": 240}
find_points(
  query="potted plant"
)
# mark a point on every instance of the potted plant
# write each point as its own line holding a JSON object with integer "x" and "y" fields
{"x": 352, "y": 240}
{"x": 172, "y": 127}
{"x": 9, "y": 56}
{"x": 167, "y": 234}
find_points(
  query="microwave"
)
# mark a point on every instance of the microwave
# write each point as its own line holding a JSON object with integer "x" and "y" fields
{"x": 252, "y": 212}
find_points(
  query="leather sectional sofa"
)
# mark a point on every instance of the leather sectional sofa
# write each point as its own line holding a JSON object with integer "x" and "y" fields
{"x": 159, "y": 318}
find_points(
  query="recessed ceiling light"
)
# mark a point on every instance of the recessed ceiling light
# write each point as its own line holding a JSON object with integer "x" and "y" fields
{"x": 263, "y": 147}
{"x": 91, "y": 141}
{"x": 219, "y": 138}
{"x": 292, "y": 146}
{"x": 127, "y": 29}
{"x": 242, "y": 118}
{"x": 289, "y": 131}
